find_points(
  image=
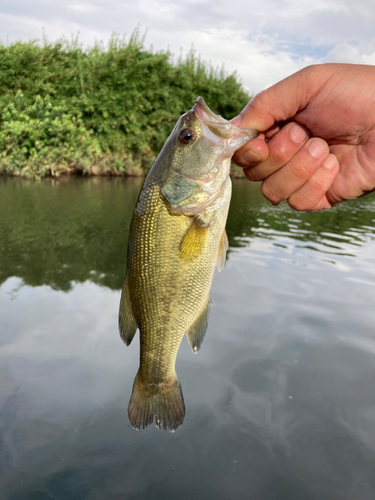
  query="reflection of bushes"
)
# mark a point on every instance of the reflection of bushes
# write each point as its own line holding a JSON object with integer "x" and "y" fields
{"x": 110, "y": 109}
{"x": 73, "y": 230}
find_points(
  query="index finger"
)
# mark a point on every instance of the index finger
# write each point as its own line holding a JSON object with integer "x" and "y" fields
{"x": 254, "y": 152}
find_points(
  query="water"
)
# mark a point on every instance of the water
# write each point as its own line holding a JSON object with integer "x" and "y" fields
{"x": 280, "y": 400}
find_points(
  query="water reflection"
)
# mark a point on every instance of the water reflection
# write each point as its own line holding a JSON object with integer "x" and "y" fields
{"x": 72, "y": 230}
{"x": 280, "y": 399}
{"x": 55, "y": 233}
{"x": 335, "y": 232}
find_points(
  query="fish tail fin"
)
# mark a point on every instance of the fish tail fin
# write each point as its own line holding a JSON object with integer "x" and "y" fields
{"x": 166, "y": 404}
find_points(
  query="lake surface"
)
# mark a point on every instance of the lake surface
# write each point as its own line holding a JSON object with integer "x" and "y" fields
{"x": 280, "y": 401}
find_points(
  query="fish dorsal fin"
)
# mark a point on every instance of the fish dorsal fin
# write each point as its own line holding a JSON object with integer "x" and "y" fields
{"x": 198, "y": 329}
{"x": 126, "y": 320}
{"x": 194, "y": 240}
{"x": 222, "y": 252}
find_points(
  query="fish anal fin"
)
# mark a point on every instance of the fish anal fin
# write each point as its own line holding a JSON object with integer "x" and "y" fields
{"x": 222, "y": 252}
{"x": 165, "y": 403}
{"x": 193, "y": 241}
{"x": 126, "y": 321}
{"x": 198, "y": 329}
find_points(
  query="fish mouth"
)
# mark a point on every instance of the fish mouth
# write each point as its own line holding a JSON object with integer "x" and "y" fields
{"x": 217, "y": 124}
{"x": 221, "y": 127}
{"x": 201, "y": 107}
{"x": 216, "y": 130}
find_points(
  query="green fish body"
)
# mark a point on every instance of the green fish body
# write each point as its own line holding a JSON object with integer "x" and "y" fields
{"x": 176, "y": 239}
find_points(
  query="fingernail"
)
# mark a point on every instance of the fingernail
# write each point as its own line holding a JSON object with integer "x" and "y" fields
{"x": 317, "y": 148}
{"x": 298, "y": 134}
{"x": 251, "y": 157}
{"x": 330, "y": 162}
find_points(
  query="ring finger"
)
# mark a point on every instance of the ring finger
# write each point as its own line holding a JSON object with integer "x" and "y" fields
{"x": 284, "y": 182}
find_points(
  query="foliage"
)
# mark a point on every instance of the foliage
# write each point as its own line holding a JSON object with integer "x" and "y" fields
{"x": 40, "y": 138}
{"x": 101, "y": 109}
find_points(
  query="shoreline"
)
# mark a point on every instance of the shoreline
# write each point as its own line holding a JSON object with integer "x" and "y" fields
{"x": 235, "y": 173}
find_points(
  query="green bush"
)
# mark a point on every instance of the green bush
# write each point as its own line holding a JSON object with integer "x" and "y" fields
{"x": 42, "y": 138}
{"x": 99, "y": 110}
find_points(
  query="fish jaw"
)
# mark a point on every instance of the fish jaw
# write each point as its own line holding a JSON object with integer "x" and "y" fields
{"x": 215, "y": 128}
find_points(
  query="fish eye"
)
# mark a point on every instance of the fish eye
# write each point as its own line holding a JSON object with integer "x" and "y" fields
{"x": 186, "y": 136}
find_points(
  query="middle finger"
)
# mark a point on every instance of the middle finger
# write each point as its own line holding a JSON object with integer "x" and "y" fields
{"x": 282, "y": 147}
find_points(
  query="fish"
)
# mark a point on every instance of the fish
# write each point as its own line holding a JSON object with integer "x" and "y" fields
{"x": 177, "y": 237}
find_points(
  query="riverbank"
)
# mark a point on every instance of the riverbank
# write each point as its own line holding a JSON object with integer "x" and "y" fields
{"x": 104, "y": 110}
{"x": 98, "y": 171}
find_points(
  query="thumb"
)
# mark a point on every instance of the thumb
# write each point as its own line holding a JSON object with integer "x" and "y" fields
{"x": 283, "y": 100}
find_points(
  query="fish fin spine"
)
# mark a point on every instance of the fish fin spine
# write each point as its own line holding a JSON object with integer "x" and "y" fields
{"x": 149, "y": 401}
{"x": 126, "y": 321}
{"x": 197, "y": 331}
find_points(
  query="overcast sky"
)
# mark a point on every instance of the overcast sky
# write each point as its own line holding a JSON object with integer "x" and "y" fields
{"x": 263, "y": 40}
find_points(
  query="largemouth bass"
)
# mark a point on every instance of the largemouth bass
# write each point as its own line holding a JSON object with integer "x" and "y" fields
{"x": 177, "y": 237}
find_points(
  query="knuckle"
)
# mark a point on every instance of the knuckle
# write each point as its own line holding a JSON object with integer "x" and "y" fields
{"x": 299, "y": 204}
{"x": 270, "y": 193}
{"x": 317, "y": 185}
{"x": 260, "y": 101}
{"x": 280, "y": 154}
{"x": 253, "y": 174}
{"x": 302, "y": 171}
{"x": 309, "y": 196}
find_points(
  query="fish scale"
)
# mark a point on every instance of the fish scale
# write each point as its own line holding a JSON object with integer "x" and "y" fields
{"x": 164, "y": 314}
{"x": 177, "y": 237}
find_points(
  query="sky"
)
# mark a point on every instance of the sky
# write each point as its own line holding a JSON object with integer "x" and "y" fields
{"x": 262, "y": 41}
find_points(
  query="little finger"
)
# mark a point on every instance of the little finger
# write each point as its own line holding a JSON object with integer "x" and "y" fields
{"x": 312, "y": 195}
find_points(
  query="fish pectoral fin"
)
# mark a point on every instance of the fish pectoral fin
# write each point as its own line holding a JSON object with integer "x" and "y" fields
{"x": 198, "y": 329}
{"x": 126, "y": 321}
{"x": 193, "y": 241}
{"x": 222, "y": 252}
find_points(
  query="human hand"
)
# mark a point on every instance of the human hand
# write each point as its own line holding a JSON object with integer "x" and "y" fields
{"x": 317, "y": 141}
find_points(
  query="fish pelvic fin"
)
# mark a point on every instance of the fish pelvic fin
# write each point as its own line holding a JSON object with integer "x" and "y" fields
{"x": 165, "y": 402}
{"x": 198, "y": 329}
{"x": 126, "y": 321}
{"x": 222, "y": 253}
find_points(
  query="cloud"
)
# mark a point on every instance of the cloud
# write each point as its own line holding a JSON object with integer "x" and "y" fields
{"x": 255, "y": 61}
{"x": 263, "y": 41}
{"x": 360, "y": 54}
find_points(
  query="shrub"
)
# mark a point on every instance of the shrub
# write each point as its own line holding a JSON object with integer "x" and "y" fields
{"x": 109, "y": 109}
